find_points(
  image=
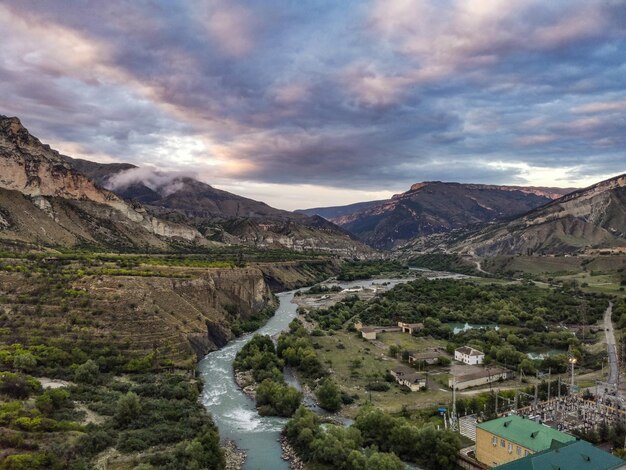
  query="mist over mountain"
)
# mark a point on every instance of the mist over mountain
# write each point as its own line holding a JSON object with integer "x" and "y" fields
{"x": 56, "y": 200}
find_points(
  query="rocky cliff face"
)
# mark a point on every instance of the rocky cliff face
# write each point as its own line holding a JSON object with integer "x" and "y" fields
{"x": 182, "y": 313}
{"x": 37, "y": 171}
{"x": 587, "y": 219}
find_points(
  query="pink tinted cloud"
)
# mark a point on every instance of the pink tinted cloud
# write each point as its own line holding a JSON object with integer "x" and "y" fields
{"x": 232, "y": 26}
{"x": 536, "y": 139}
{"x": 601, "y": 107}
{"x": 475, "y": 35}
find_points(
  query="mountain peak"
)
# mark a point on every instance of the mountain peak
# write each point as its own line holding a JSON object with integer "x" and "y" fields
{"x": 423, "y": 184}
{"x": 11, "y": 125}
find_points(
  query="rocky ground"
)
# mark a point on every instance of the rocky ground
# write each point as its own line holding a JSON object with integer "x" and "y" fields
{"x": 235, "y": 457}
{"x": 246, "y": 383}
{"x": 290, "y": 455}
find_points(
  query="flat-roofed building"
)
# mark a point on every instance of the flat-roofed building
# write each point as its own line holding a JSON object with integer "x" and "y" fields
{"x": 513, "y": 437}
{"x": 481, "y": 377}
{"x": 430, "y": 356}
{"x": 368, "y": 332}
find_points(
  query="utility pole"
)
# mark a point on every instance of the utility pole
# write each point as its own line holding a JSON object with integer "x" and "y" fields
{"x": 454, "y": 423}
{"x": 572, "y": 361}
{"x": 549, "y": 376}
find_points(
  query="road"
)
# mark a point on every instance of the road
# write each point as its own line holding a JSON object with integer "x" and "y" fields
{"x": 611, "y": 345}
{"x": 479, "y": 267}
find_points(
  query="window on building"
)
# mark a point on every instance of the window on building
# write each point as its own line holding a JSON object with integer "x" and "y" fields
{"x": 510, "y": 449}
{"x": 519, "y": 451}
{"x": 502, "y": 443}
{"x": 494, "y": 441}
{"x": 526, "y": 453}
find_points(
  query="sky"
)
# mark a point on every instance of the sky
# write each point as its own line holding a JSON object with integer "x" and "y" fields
{"x": 315, "y": 103}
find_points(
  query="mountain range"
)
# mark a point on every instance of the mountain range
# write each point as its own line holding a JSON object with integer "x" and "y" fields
{"x": 435, "y": 207}
{"x": 54, "y": 200}
{"x": 50, "y": 199}
{"x": 589, "y": 219}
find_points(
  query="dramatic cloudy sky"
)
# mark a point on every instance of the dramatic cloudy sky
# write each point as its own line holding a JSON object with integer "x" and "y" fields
{"x": 303, "y": 103}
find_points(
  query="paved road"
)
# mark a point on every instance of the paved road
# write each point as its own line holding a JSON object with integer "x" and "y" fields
{"x": 611, "y": 346}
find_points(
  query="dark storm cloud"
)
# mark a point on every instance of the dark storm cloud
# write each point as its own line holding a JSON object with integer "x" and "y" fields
{"x": 369, "y": 95}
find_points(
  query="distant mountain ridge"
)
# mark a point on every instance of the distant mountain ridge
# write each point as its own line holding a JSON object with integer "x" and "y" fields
{"x": 337, "y": 212}
{"x": 433, "y": 207}
{"x": 587, "y": 219}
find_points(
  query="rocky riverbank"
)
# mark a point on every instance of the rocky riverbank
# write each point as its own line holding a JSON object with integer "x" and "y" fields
{"x": 234, "y": 456}
{"x": 289, "y": 455}
{"x": 246, "y": 383}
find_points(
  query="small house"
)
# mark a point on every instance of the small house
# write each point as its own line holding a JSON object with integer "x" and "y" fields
{"x": 368, "y": 332}
{"x": 410, "y": 327}
{"x": 409, "y": 378}
{"x": 429, "y": 357}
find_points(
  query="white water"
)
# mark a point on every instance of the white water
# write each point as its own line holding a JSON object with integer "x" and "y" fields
{"x": 235, "y": 413}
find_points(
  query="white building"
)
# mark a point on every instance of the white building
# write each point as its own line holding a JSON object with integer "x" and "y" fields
{"x": 469, "y": 355}
{"x": 481, "y": 377}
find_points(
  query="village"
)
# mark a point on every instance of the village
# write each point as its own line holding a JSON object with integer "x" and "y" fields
{"x": 525, "y": 438}
{"x": 525, "y": 431}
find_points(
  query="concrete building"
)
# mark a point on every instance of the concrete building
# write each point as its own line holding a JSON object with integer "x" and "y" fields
{"x": 510, "y": 438}
{"x": 409, "y": 378}
{"x": 481, "y": 377}
{"x": 410, "y": 327}
{"x": 430, "y": 356}
{"x": 368, "y": 332}
{"x": 469, "y": 355}
{"x": 578, "y": 455}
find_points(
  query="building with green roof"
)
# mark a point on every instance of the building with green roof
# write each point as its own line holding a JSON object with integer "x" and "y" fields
{"x": 577, "y": 455}
{"x": 509, "y": 438}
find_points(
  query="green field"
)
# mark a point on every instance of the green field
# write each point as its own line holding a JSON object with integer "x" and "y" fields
{"x": 374, "y": 363}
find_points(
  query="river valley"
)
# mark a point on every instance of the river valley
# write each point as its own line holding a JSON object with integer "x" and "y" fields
{"x": 234, "y": 413}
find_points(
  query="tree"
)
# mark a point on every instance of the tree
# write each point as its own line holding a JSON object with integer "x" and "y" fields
{"x": 329, "y": 395}
{"x": 274, "y": 399}
{"x": 438, "y": 449}
{"x": 383, "y": 461}
{"x": 128, "y": 409}
{"x": 52, "y": 400}
{"x": 24, "y": 362}
{"x": 87, "y": 373}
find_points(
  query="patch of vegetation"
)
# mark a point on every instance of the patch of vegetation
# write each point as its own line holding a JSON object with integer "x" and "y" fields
{"x": 319, "y": 289}
{"x": 443, "y": 262}
{"x": 156, "y": 414}
{"x": 241, "y": 326}
{"x": 296, "y": 349}
{"x": 354, "y": 270}
{"x": 273, "y": 396}
{"x": 530, "y": 317}
{"x": 376, "y": 440}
